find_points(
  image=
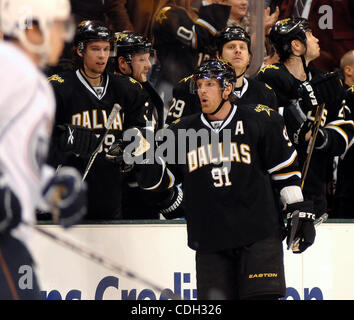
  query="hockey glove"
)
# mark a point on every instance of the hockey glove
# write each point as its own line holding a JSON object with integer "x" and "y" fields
{"x": 173, "y": 206}
{"x": 10, "y": 209}
{"x": 115, "y": 154}
{"x": 65, "y": 194}
{"x": 76, "y": 139}
{"x": 300, "y": 225}
{"x": 328, "y": 88}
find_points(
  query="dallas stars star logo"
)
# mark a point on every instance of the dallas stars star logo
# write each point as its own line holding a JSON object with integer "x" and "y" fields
{"x": 262, "y": 107}
{"x": 162, "y": 14}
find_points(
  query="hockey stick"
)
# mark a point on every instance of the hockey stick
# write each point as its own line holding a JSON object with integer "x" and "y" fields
{"x": 101, "y": 260}
{"x": 116, "y": 108}
{"x": 311, "y": 144}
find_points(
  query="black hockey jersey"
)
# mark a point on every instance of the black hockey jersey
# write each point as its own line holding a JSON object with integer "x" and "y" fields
{"x": 229, "y": 175}
{"x": 181, "y": 42}
{"x": 78, "y": 103}
{"x": 185, "y": 103}
{"x": 343, "y": 206}
{"x": 340, "y": 129}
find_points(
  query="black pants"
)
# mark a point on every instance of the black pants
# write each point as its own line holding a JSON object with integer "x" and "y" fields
{"x": 17, "y": 275}
{"x": 250, "y": 272}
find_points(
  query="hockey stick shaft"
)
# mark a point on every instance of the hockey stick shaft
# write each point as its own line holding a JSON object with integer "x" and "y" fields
{"x": 116, "y": 108}
{"x": 311, "y": 145}
{"x": 100, "y": 259}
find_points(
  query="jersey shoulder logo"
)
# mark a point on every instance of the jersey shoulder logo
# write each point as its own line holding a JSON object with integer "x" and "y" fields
{"x": 135, "y": 82}
{"x": 268, "y": 86}
{"x": 56, "y": 78}
{"x": 261, "y": 107}
{"x": 161, "y": 16}
{"x": 186, "y": 78}
{"x": 351, "y": 89}
{"x": 269, "y": 66}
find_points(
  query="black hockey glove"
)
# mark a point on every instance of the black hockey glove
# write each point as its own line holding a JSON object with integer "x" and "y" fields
{"x": 328, "y": 88}
{"x": 65, "y": 194}
{"x": 173, "y": 206}
{"x": 10, "y": 209}
{"x": 115, "y": 155}
{"x": 76, "y": 139}
{"x": 300, "y": 225}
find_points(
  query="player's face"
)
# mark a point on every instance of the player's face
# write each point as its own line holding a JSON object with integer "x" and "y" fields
{"x": 236, "y": 53}
{"x": 141, "y": 65}
{"x": 313, "y": 48}
{"x": 96, "y": 56}
{"x": 58, "y": 34}
{"x": 209, "y": 92}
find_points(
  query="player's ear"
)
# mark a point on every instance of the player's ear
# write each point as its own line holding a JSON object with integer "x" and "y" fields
{"x": 79, "y": 53}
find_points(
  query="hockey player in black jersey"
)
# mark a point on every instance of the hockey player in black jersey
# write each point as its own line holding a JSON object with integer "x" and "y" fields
{"x": 234, "y": 163}
{"x": 300, "y": 89}
{"x": 85, "y": 98}
{"x": 233, "y": 45}
{"x": 182, "y": 39}
{"x": 132, "y": 54}
{"x": 343, "y": 204}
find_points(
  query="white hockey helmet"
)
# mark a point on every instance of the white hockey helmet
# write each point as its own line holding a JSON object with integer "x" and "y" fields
{"x": 18, "y": 15}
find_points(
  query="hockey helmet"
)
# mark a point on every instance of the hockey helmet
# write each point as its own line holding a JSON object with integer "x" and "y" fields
{"x": 127, "y": 44}
{"x": 284, "y": 32}
{"x": 18, "y": 15}
{"x": 214, "y": 69}
{"x": 89, "y": 31}
{"x": 232, "y": 33}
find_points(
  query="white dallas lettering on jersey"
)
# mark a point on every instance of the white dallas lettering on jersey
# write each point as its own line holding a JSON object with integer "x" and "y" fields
{"x": 206, "y": 155}
{"x": 89, "y": 119}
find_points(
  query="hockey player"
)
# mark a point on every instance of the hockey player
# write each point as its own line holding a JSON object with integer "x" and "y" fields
{"x": 300, "y": 89}
{"x": 182, "y": 39}
{"x": 85, "y": 98}
{"x": 233, "y": 169}
{"x": 233, "y": 45}
{"x": 34, "y": 34}
{"x": 132, "y": 54}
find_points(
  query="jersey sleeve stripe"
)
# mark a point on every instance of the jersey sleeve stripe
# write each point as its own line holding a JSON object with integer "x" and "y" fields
{"x": 284, "y": 164}
{"x": 206, "y": 25}
{"x": 284, "y": 176}
{"x": 341, "y": 132}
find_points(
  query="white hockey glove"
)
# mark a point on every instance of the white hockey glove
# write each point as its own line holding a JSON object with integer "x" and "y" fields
{"x": 65, "y": 194}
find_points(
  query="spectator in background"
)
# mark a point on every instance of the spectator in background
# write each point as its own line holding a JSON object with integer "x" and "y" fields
{"x": 335, "y": 38}
{"x": 347, "y": 68}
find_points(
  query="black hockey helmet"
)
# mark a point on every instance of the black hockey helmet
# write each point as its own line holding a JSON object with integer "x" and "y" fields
{"x": 126, "y": 44}
{"x": 88, "y": 31}
{"x": 217, "y": 69}
{"x": 232, "y": 33}
{"x": 284, "y": 32}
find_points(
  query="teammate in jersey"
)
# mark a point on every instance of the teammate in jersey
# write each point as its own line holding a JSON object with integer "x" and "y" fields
{"x": 300, "y": 89}
{"x": 234, "y": 165}
{"x": 85, "y": 98}
{"x": 233, "y": 45}
{"x": 182, "y": 39}
{"x": 34, "y": 34}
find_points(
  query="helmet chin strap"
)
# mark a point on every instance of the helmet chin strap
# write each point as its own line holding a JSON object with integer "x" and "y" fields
{"x": 218, "y": 108}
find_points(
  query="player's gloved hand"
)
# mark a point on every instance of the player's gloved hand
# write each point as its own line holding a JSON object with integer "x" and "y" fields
{"x": 115, "y": 155}
{"x": 138, "y": 142}
{"x": 65, "y": 194}
{"x": 328, "y": 88}
{"x": 10, "y": 208}
{"x": 303, "y": 134}
{"x": 76, "y": 139}
{"x": 300, "y": 225}
{"x": 173, "y": 206}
